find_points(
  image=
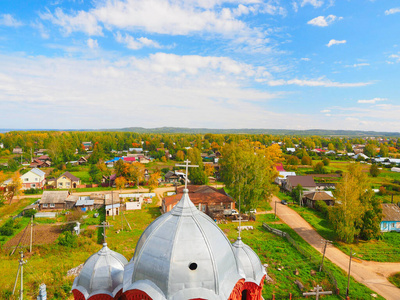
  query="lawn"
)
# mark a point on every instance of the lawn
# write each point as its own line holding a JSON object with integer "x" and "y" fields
{"x": 395, "y": 279}
{"x": 82, "y": 175}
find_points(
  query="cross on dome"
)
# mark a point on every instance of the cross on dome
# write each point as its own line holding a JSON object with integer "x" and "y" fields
{"x": 104, "y": 225}
{"x": 186, "y": 165}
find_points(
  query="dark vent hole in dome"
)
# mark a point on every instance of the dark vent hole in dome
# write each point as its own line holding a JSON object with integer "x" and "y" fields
{"x": 192, "y": 266}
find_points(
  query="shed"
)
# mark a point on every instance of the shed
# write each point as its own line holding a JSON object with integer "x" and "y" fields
{"x": 391, "y": 217}
{"x": 311, "y": 198}
{"x": 113, "y": 209}
{"x": 85, "y": 203}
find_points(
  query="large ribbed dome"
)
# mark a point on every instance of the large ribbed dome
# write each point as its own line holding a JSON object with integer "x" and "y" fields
{"x": 102, "y": 273}
{"x": 182, "y": 255}
{"x": 249, "y": 262}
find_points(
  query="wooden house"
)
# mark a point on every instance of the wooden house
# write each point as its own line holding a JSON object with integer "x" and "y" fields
{"x": 391, "y": 217}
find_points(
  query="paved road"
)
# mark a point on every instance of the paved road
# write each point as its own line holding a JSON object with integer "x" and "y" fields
{"x": 372, "y": 274}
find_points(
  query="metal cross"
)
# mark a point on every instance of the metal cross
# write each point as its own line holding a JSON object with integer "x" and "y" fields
{"x": 317, "y": 292}
{"x": 104, "y": 225}
{"x": 187, "y": 169}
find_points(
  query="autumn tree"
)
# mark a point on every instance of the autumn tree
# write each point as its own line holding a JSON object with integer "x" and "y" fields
{"x": 136, "y": 172}
{"x": 120, "y": 182}
{"x": 180, "y": 155}
{"x": 153, "y": 181}
{"x": 209, "y": 169}
{"x": 247, "y": 174}
{"x": 357, "y": 211}
{"x": 319, "y": 168}
{"x": 14, "y": 188}
{"x": 384, "y": 151}
{"x": 306, "y": 160}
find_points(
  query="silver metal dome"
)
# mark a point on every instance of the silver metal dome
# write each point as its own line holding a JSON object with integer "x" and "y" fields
{"x": 102, "y": 273}
{"x": 249, "y": 261}
{"x": 183, "y": 255}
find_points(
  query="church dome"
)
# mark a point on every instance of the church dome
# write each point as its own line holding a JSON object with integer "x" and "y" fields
{"x": 183, "y": 254}
{"x": 102, "y": 274}
{"x": 249, "y": 262}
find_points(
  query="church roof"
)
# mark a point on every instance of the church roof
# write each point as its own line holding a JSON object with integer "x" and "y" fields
{"x": 102, "y": 273}
{"x": 183, "y": 255}
{"x": 249, "y": 262}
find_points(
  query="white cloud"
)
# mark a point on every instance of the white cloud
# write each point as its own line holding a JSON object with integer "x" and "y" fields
{"x": 305, "y": 59}
{"x": 335, "y": 42}
{"x": 316, "y": 82}
{"x": 392, "y": 11}
{"x": 358, "y": 65}
{"x": 322, "y": 21}
{"x": 79, "y": 21}
{"x": 44, "y": 33}
{"x": 135, "y": 43}
{"x": 92, "y": 44}
{"x": 395, "y": 58}
{"x": 315, "y": 3}
{"x": 372, "y": 101}
{"x": 8, "y": 20}
{"x": 325, "y": 111}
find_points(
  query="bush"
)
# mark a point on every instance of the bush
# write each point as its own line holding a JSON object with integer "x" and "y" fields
{"x": 322, "y": 207}
{"x": 32, "y": 191}
{"x": 374, "y": 171}
{"x": 325, "y": 161}
{"x": 8, "y": 228}
{"x": 29, "y": 213}
{"x": 67, "y": 239}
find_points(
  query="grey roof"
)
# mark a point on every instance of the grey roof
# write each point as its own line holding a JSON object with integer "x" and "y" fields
{"x": 38, "y": 172}
{"x": 173, "y": 242}
{"x": 54, "y": 197}
{"x": 390, "y": 212}
{"x": 102, "y": 273}
{"x": 82, "y": 202}
{"x": 249, "y": 262}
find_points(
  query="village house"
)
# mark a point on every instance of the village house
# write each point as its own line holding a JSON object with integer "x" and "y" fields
{"x": 17, "y": 150}
{"x": 87, "y": 145}
{"x": 82, "y": 161}
{"x": 67, "y": 181}
{"x": 35, "y": 179}
{"x": 57, "y": 200}
{"x": 84, "y": 203}
{"x": 282, "y": 177}
{"x": 310, "y": 199}
{"x": 307, "y": 183}
{"x": 205, "y": 198}
{"x": 37, "y": 163}
{"x": 390, "y": 218}
{"x": 175, "y": 177}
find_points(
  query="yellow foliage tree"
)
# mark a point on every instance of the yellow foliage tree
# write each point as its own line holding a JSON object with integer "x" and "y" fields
{"x": 120, "y": 182}
{"x": 153, "y": 180}
{"x": 274, "y": 153}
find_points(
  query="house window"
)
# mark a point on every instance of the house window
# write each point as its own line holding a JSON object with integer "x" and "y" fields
{"x": 52, "y": 205}
{"x": 37, "y": 179}
{"x": 60, "y": 184}
{"x": 67, "y": 183}
{"x": 33, "y": 185}
{"x": 26, "y": 179}
{"x": 44, "y": 204}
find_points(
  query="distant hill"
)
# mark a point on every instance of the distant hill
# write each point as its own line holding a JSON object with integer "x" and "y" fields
{"x": 318, "y": 132}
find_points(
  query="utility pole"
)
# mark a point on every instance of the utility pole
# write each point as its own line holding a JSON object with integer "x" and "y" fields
{"x": 112, "y": 204}
{"x": 323, "y": 256}
{"x": 275, "y": 209}
{"x": 348, "y": 277}
{"x": 20, "y": 267}
{"x": 30, "y": 246}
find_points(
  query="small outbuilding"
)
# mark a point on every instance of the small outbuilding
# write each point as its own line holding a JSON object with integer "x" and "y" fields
{"x": 311, "y": 198}
{"x": 391, "y": 217}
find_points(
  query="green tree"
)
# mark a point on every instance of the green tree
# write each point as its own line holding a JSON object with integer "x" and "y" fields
{"x": 325, "y": 161}
{"x": 372, "y": 217}
{"x": 384, "y": 151}
{"x": 247, "y": 174}
{"x": 319, "y": 168}
{"x": 374, "y": 170}
{"x": 370, "y": 150}
{"x": 197, "y": 175}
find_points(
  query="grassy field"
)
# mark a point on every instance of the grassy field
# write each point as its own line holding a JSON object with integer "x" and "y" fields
{"x": 395, "y": 279}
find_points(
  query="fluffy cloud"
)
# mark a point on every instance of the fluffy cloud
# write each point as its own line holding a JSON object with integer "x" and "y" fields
{"x": 335, "y": 42}
{"x": 92, "y": 44}
{"x": 8, "y": 20}
{"x": 395, "y": 58}
{"x": 316, "y": 82}
{"x": 371, "y": 101}
{"x": 315, "y": 3}
{"x": 135, "y": 43}
{"x": 322, "y": 21}
{"x": 392, "y": 11}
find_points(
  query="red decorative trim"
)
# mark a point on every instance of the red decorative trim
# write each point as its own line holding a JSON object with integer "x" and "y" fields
{"x": 136, "y": 295}
{"x": 79, "y": 296}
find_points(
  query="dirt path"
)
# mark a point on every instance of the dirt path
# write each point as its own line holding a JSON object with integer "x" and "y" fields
{"x": 372, "y": 274}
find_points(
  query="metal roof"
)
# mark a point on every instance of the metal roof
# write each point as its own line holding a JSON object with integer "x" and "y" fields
{"x": 54, "y": 197}
{"x": 102, "y": 273}
{"x": 185, "y": 255}
{"x": 38, "y": 172}
{"x": 115, "y": 205}
{"x": 82, "y": 202}
{"x": 249, "y": 262}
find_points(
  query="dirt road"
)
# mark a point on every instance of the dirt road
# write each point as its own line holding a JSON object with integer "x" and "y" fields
{"x": 372, "y": 274}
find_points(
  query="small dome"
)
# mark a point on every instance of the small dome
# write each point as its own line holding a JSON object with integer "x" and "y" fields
{"x": 102, "y": 273}
{"x": 249, "y": 262}
{"x": 185, "y": 255}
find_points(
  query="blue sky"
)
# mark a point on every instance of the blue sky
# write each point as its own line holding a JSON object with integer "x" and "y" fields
{"x": 299, "y": 64}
